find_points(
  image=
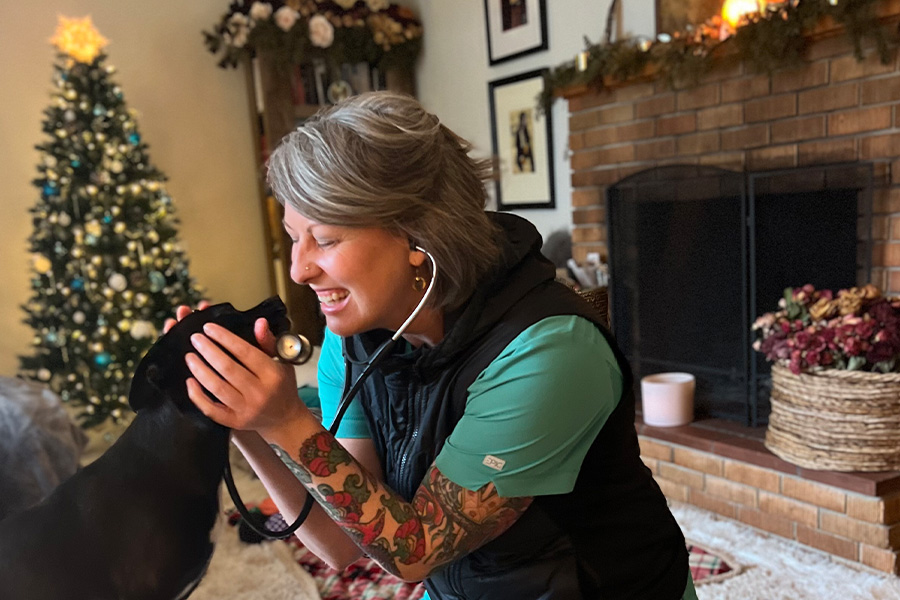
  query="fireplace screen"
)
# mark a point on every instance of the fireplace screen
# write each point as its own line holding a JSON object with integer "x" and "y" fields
{"x": 696, "y": 253}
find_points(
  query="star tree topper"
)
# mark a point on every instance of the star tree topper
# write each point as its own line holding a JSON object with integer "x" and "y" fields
{"x": 79, "y": 39}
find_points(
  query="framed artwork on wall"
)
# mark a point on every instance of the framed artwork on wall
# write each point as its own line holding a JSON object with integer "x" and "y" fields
{"x": 515, "y": 28}
{"x": 675, "y": 15}
{"x": 522, "y": 142}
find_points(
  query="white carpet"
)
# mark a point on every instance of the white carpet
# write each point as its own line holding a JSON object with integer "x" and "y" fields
{"x": 776, "y": 569}
{"x": 266, "y": 571}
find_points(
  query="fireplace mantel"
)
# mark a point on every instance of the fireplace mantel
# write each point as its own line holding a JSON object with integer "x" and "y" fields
{"x": 832, "y": 109}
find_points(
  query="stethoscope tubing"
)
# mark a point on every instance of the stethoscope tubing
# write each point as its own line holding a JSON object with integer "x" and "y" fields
{"x": 343, "y": 405}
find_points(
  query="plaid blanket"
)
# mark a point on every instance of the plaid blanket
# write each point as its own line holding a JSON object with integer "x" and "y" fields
{"x": 366, "y": 580}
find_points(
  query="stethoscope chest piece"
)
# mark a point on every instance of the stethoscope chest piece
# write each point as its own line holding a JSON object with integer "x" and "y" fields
{"x": 293, "y": 348}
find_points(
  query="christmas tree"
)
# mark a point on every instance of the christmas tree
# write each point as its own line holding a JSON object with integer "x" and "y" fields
{"x": 107, "y": 265}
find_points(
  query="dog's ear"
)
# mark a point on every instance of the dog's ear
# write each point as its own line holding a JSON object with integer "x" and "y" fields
{"x": 162, "y": 372}
{"x": 274, "y": 311}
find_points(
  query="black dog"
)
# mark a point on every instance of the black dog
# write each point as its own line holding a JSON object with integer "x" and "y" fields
{"x": 135, "y": 524}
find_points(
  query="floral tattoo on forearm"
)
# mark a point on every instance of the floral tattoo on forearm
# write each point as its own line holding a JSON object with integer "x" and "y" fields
{"x": 443, "y": 522}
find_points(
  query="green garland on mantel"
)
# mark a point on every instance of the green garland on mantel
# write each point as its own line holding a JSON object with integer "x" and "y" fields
{"x": 776, "y": 38}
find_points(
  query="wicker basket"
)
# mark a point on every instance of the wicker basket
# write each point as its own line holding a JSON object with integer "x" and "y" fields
{"x": 599, "y": 298}
{"x": 836, "y": 420}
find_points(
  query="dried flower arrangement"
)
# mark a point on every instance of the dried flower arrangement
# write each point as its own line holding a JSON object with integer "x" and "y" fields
{"x": 857, "y": 329}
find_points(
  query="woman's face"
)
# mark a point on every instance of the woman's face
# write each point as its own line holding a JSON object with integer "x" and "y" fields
{"x": 362, "y": 276}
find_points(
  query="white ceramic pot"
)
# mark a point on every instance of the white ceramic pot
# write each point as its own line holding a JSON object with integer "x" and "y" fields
{"x": 668, "y": 399}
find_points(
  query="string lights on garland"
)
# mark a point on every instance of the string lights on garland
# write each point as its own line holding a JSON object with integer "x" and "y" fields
{"x": 763, "y": 35}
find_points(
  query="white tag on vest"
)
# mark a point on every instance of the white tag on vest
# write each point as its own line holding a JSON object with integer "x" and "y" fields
{"x": 493, "y": 462}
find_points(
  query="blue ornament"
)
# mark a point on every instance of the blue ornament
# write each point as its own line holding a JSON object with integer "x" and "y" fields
{"x": 77, "y": 284}
{"x": 51, "y": 337}
{"x": 107, "y": 219}
{"x": 103, "y": 359}
{"x": 90, "y": 240}
{"x": 157, "y": 281}
{"x": 50, "y": 189}
{"x": 75, "y": 164}
{"x": 99, "y": 110}
{"x": 134, "y": 138}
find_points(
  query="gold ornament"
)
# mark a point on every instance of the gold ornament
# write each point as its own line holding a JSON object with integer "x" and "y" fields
{"x": 93, "y": 228}
{"x": 119, "y": 227}
{"x": 79, "y": 39}
{"x": 124, "y": 325}
{"x": 42, "y": 264}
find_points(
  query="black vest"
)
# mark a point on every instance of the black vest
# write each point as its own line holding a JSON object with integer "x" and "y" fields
{"x": 613, "y": 536}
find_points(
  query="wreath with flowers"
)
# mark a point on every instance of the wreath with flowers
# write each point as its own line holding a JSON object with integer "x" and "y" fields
{"x": 382, "y": 34}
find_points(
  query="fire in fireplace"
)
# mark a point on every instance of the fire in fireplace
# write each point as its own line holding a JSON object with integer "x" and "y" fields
{"x": 697, "y": 252}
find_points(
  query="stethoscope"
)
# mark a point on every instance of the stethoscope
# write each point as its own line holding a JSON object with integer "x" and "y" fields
{"x": 296, "y": 349}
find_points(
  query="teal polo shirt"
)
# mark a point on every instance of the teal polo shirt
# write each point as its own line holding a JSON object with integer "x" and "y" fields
{"x": 530, "y": 416}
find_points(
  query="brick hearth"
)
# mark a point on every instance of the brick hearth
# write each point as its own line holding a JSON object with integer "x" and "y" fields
{"x": 725, "y": 468}
{"x": 833, "y": 109}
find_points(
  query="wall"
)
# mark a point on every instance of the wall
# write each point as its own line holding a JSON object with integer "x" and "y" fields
{"x": 453, "y": 74}
{"x": 193, "y": 116}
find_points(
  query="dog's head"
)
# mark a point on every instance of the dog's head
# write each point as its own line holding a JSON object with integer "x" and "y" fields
{"x": 162, "y": 372}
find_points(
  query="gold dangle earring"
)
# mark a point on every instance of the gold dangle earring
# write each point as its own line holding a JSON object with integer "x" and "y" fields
{"x": 419, "y": 282}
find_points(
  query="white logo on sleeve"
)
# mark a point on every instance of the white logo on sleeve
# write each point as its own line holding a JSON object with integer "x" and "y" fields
{"x": 493, "y": 462}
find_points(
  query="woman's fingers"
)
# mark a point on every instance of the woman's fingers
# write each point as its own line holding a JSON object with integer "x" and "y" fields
{"x": 181, "y": 312}
{"x": 264, "y": 336}
{"x": 168, "y": 324}
{"x": 248, "y": 354}
{"x": 224, "y": 375}
{"x": 220, "y": 413}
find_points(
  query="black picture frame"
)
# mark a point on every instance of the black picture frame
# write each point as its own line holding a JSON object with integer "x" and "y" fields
{"x": 524, "y": 177}
{"x": 514, "y": 28}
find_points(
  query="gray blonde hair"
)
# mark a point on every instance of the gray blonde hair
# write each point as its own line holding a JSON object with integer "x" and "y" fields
{"x": 380, "y": 160}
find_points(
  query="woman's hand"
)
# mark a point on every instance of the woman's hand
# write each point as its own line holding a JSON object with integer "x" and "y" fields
{"x": 181, "y": 312}
{"x": 253, "y": 391}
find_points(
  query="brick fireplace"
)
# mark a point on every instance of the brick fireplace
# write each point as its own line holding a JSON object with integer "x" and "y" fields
{"x": 833, "y": 109}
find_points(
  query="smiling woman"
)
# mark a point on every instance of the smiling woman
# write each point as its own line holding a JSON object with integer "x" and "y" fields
{"x": 493, "y": 434}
